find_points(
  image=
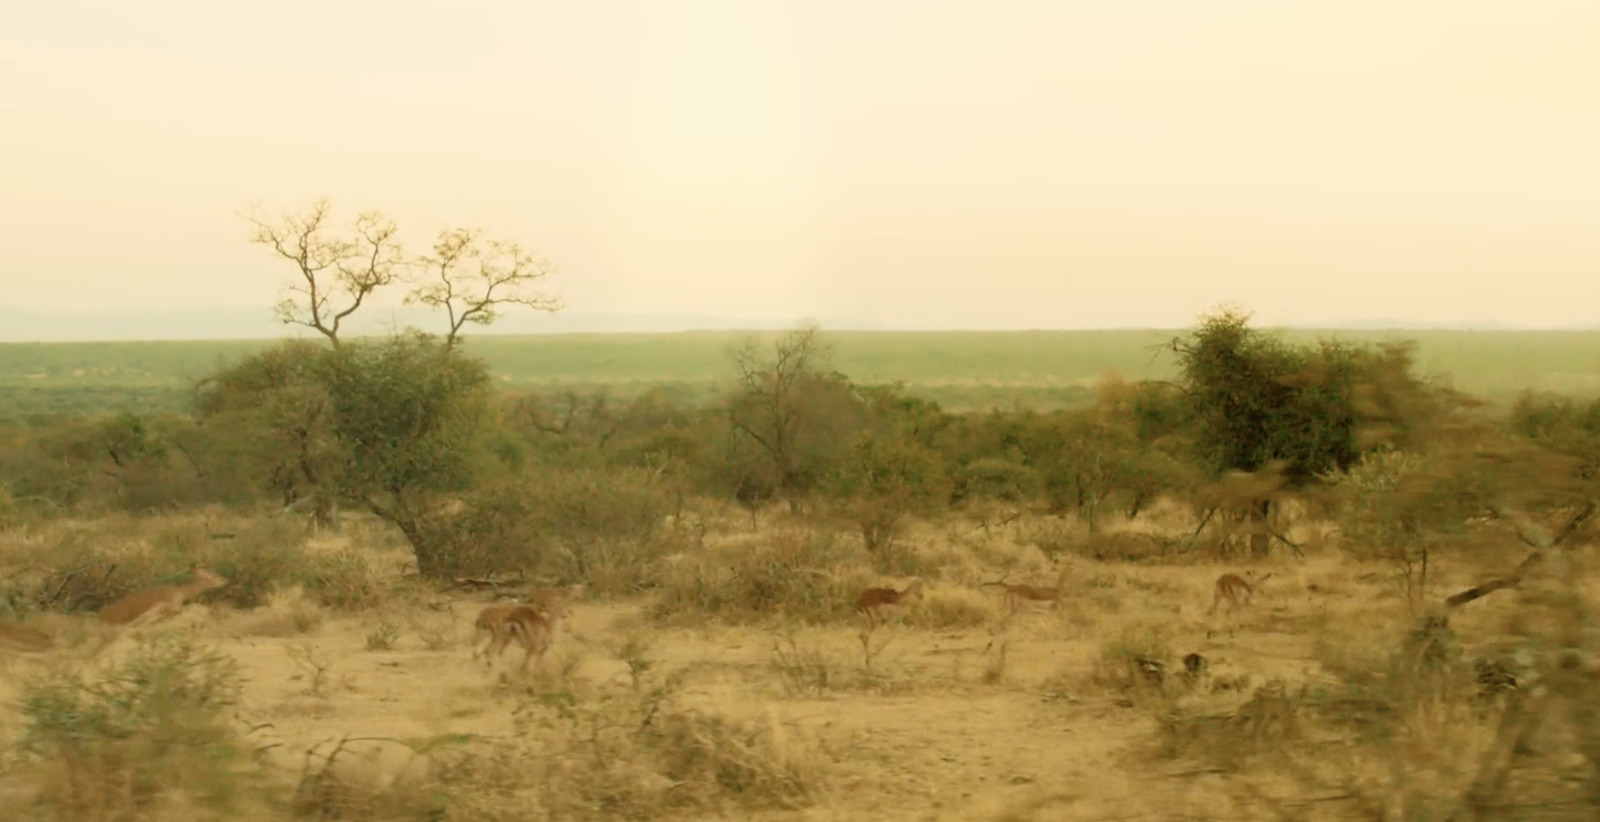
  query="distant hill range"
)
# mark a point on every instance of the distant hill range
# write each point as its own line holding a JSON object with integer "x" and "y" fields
{"x": 18, "y": 325}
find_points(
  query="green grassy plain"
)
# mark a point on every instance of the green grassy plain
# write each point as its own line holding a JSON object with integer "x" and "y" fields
{"x": 964, "y": 370}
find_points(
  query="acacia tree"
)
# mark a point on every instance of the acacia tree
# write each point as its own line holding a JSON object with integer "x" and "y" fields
{"x": 385, "y": 425}
{"x": 1258, "y": 403}
{"x": 408, "y": 414}
{"x": 892, "y": 469}
{"x": 275, "y": 406}
{"x": 393, "y": 426}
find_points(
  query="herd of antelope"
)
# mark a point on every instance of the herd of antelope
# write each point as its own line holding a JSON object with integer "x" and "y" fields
{"x": 878, "y": 605}
{"x": 534, "y": 622}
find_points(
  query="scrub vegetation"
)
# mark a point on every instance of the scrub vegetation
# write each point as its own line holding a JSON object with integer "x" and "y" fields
{"x": 1276, "y": 577}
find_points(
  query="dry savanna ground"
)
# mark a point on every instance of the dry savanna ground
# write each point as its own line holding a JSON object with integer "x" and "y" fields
{"x": 740, "y": 685}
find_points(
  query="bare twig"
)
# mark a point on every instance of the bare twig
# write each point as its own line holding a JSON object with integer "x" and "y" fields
{"x": 472, "y": 279}
{"x": 336, "y": 273}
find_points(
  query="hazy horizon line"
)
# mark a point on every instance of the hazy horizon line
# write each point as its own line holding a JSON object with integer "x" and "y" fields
{"x": 219, "y": 324}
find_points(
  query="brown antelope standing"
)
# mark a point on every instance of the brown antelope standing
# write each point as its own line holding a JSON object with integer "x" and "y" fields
{"x": 533, "y": 630}
{"x": 1235, "y": 590}
{"x": 14, "y": 636}
{"x": 149, "y": 605}
{"x": 881, "y": 604}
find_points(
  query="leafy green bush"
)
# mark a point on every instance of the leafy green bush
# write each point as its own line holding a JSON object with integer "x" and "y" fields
{"x": 603, "y": 527}
{"x": 884, "y": 480}
{"x": 149, "y": 734}
{"x": 996, "y": 478}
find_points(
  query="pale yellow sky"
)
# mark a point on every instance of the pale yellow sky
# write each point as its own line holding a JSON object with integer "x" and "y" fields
{"x": 918, "y": 163}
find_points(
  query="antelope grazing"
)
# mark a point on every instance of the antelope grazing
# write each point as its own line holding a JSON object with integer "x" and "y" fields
{"x": 1234, "y": 590}
{"x": 15, "y": 636}
{"x": 1018, "y": 596}
{"x": 879, "y": 605}
{"x": 535, "y": 631}
{"x": 150, "y": 605}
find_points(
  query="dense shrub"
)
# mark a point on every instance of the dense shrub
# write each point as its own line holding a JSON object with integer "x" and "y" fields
{"x": 601, "y": 526}
{"x": 149, "y": 737}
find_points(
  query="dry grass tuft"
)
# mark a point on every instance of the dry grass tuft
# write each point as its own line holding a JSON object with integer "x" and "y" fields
{"x": 287, "y": 613}
{"x": 806, "y": 575}
{"x": 948, "y": 606}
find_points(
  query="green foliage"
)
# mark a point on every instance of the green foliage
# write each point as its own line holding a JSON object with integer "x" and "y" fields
{"x": 1265, "y": 411}
{"x": 1400, "y": 507}
{"x": 273, "y": 410}
{"x": 33, "y": 402}
{"x": 1077, "y": 454}
{"x": 1569, "y": 429}
{"x": 894, "y": 468}
{"x": 120, "y": 462}
{"x": 1257, "y": 400}
{"x": 791, "y": 419}
{"x": 261, "y": 556}
{"x": 995, "y": 478}
{"x": 416, "y": 432}
{"x": 166, "y": 685}
{"x": 391, "y": 425}
{"x": 1079, "y": 460}
{"x": 790, "y": 573}
{"x": 887, "y": 477}
{"x": 967, "y": 372}
{"x": 1476, "y": 486}
{"x": 406, "y": 414}
{"x": 83, "y": 568}
{"x": 600, "y": 526}
{"x": 153, "y": 729}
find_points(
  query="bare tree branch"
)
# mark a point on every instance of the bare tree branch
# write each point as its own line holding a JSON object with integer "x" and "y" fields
{"x": 472, "y": 278}
{"x": 336, "y": 273}
{"x": 1539, "y": 542}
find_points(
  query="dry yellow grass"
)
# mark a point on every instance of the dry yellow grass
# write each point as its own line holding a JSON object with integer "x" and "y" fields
{"x": 636, "y": 715}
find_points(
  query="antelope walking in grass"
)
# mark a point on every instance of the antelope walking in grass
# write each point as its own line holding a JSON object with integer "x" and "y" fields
{"x": 1019, "y": 596}
{"x": 532, "y": 629}
{"x": 879, "y": 605}
{"x": 492, "y": 620}
{"x": 1234, "y": 590}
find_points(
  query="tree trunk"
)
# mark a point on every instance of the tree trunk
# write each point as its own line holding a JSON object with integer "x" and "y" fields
{"x": 1260, "y": 533}
{"x": 1136, "y": 505}
{"x": 431, "y": 546}
{"x": 326, "y": 513}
